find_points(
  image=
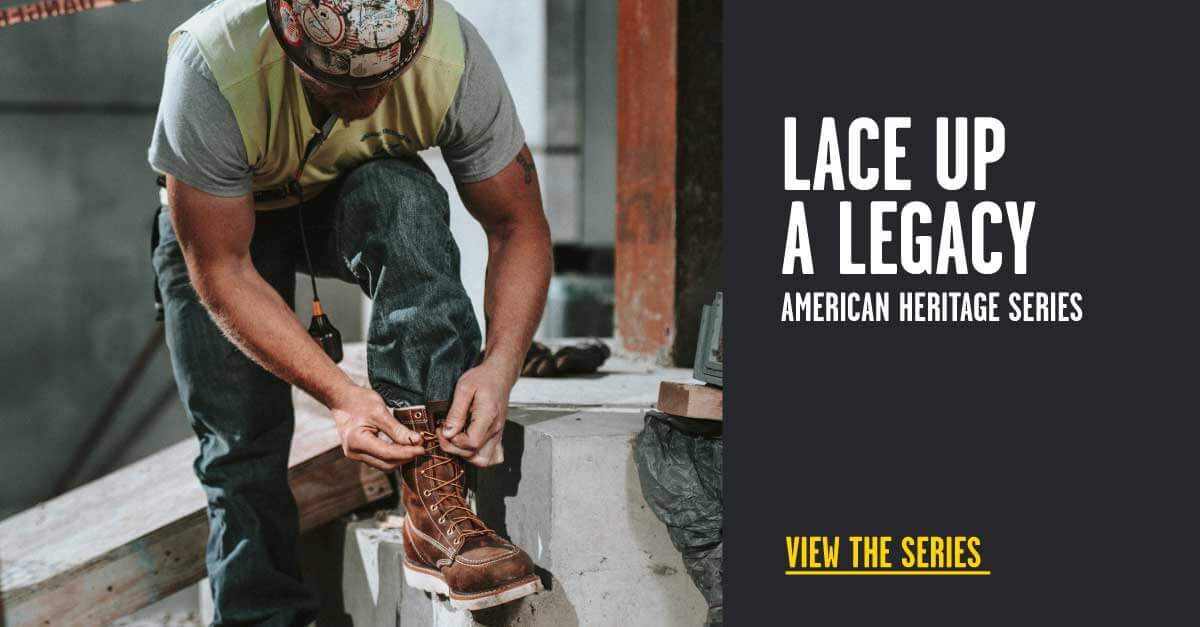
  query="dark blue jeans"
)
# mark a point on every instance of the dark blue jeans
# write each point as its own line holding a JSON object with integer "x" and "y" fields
{"x": 384, "y": 226}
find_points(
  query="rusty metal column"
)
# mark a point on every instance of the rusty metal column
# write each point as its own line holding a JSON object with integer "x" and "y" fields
{"x": 646, "y": 152}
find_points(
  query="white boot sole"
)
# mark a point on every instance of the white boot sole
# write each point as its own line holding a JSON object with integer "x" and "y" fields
{"x": 426, "y": 581}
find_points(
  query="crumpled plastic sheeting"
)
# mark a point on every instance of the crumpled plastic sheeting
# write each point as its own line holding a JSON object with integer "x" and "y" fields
{"x": 680, "y": 473}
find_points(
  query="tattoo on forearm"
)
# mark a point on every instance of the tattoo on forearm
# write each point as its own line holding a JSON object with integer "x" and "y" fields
{"x": 527, "y": 165}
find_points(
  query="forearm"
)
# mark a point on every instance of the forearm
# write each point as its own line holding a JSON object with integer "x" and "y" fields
{"x": 215, "y": 234}
{"x": 518, "y": 274}
{"x": 263, "y": 326}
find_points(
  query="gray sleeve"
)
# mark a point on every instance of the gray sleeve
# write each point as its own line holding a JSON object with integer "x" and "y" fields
{"x": 481, "y": 133}
{"x": 196, "y": 136}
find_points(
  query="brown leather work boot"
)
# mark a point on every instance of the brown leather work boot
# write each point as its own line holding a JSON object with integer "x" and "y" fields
{"x": 447, "y": 548}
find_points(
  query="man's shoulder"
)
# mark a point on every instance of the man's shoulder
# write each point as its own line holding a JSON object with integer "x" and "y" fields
{"x": 233, "y": 38}
{"x": 186, "y": 52}
{"x": 444, "y": 43}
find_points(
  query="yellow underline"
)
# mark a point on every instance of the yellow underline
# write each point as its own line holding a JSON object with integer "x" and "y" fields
{"x": 887, "y": 572}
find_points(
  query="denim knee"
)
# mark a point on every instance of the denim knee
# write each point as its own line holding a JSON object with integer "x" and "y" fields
{"x": 393, "y": 192}
{"x": 394, "y": 213}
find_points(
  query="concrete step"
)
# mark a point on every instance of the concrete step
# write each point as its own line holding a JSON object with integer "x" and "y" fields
{"x": 568, "y": 494}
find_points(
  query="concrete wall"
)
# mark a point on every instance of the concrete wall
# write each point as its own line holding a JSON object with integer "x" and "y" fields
{"x": 599, "y": 111}
{"x": 76, "y": 109}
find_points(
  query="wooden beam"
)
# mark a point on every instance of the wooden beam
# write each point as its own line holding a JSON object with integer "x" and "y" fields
{"x": 117, "y": 544}
{"x": 691, "y": 400}
{"x": 646, "y": 142}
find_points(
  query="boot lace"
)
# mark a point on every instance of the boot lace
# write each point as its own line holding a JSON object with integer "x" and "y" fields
{"x": 451, "y": 499}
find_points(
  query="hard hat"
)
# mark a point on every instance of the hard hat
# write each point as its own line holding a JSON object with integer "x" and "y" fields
{"x": 351, "y": 43}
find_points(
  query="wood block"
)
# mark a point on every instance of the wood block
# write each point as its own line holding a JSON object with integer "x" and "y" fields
{"x": 692, "y": 400}
{"x": 113, "y": 546}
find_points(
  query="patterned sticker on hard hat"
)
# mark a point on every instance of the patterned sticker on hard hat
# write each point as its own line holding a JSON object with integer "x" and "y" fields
{"x": 380, "y": 24}
{"x": 289, "y": 26}
{"x": 323, "y": 23}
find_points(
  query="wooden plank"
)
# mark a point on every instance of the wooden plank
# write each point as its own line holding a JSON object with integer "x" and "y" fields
{"x": 111, "y": 547}
{"x": 646, "y": 181}
{"x": 692, "y": 400}
{"x": 331, "y": 485}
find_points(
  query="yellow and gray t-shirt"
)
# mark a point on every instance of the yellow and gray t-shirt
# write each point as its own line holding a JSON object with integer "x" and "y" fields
{"x": 197, "y": 138}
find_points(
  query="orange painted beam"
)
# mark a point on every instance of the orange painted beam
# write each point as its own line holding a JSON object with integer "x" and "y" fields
{"x": 645, "y": 253}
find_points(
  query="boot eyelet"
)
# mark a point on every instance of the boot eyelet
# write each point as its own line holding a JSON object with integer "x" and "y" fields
{"x": 442, "y": 520}
{"x": 426, "y": 493}
{"x": 457, "y": 541}
{"x": 433, "y": 509}
{"x": 450, "y": 533}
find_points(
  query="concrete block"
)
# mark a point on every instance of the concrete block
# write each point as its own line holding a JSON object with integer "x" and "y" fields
{"x": 372, "y": 584}
{"x": 568, "y": 494}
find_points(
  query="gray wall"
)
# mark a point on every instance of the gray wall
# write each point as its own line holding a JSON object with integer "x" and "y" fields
{"x": 578, "y": 169}
{"x": 76, "y": 109}
{"x": 599, "y": 107}
{"x": 77, "y": 106}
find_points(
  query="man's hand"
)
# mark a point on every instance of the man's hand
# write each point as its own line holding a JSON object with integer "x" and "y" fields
{"x": 361, "y": 416}
{"x": 482, "y": 394}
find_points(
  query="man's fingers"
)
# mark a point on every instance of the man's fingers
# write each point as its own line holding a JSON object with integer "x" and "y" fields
{"x": 486, "y": 425}
{"x": 483, "y": 423}
{"x": 365, "y": 442}
{"x": 457, "y": 446}
{"x": 399, "y": 433}
{"x": 457, "y": 416}
{"x": 463, "y": 441}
